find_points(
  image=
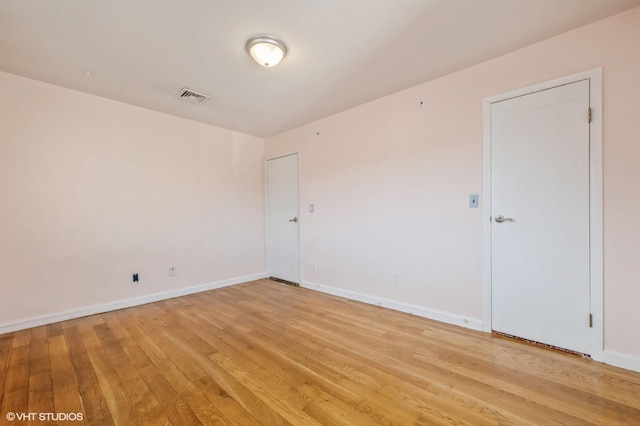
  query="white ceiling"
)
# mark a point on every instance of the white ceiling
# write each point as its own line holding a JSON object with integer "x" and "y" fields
{"x": 341, "y": 52}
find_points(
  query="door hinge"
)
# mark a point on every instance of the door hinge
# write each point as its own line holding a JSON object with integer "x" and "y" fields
{"x": 589, "y": 115}
{"x": 590, "y": 320}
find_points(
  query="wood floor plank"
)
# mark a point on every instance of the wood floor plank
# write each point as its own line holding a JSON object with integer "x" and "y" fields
{"x": 173, "y": 408}
{"x": 113, "y": 390}
{"x": 54, "y": 330}
{"x": 15, "y": 397}
{"x": 329, "y": 410}
{"x": 40, "y": 375}
{"x": 268, "y": 353}
{"x": 174, "y": 405}
{"x": 232, "y": 382}
{"x": 222, "y": 401}
{"x": 94, "y": 405}
{"x": 6, "y": 342}
{"x": 66, "y": 397}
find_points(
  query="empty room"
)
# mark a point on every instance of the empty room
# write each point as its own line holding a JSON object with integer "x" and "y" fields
{"x": 383, "y": 212}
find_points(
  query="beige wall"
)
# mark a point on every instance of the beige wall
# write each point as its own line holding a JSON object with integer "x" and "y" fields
{"x": 94, "y": 190}
{"x": 390, "y": 180}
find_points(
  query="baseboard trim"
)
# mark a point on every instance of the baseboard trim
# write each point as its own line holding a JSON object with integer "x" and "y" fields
{"x": 420, "y": 311}
{"x": 625, "y": 361}
{"x": 121, "y": 304}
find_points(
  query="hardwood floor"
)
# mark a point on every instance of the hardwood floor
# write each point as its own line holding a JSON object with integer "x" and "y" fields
{"x": 268, "y": 353}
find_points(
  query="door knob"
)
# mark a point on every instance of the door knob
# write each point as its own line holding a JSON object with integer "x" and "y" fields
{"x": 501, "y": 219}
{"x": 295, "y": 219}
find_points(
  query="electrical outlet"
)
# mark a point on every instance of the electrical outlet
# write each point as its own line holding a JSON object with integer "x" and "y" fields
{"x": 313, "y": 266}
{"x": 397, "y": 278}
{"x": 172, "y": 271}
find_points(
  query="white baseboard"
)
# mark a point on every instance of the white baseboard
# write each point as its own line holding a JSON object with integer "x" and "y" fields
{"x": 445, "y": 317}
{"x": 120, "y": 304}
{"x": 625, "y": 361}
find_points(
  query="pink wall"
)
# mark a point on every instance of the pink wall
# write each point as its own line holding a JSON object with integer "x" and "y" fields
{"x": 390, "y": 180}
{"x": 94, "y": 190}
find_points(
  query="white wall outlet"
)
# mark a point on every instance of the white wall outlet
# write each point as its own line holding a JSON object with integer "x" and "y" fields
{"x": 313, "y": 266}
{"x": 397, "y": 278}
{"x": 172, "y": 271}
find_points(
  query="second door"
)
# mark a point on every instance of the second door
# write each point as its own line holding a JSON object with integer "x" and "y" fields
{"x": 283, "y": 252}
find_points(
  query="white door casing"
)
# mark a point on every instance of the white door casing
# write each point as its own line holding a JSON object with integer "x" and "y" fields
{"x": 283, "y": 246}
{"x": 543, "y": 272}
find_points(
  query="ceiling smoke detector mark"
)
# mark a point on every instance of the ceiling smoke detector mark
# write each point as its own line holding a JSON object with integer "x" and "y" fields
{"x": 192, "y": 96}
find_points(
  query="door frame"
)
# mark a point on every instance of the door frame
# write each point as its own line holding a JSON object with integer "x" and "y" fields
{"x": 596, "y": 260}
{"x": 266, "y": 211}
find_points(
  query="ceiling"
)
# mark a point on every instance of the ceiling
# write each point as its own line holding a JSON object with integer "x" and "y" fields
{"x": 342, "y": 53}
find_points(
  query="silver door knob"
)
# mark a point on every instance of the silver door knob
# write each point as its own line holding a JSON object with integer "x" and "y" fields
{"x": 501, "y": 219}
{"x": 295, "y": 219}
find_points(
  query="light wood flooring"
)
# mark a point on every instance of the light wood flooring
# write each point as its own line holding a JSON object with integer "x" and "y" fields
{"x": 268, "y": 353}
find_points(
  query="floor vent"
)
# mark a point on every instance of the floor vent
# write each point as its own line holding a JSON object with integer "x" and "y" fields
{"x": 543, "y": 345}
{"x": 284, "y": 281}
{"x": 192, "y": 96}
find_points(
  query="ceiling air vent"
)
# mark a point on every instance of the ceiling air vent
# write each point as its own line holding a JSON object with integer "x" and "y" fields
{"x": 192, "y": 96}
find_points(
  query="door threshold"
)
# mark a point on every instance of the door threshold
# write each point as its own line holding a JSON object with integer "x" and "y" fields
{"x": 280, "y": 280}
{"x": 539, "y": 344}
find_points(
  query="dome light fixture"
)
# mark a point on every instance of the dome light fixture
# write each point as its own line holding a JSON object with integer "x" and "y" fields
{"x": 266, "y": 50}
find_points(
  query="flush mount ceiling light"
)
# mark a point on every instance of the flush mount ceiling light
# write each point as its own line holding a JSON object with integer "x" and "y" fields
{"x": 266, "y": 50}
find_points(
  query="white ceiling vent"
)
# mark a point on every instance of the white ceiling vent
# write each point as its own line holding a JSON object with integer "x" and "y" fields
{"x": 192, "y": 96}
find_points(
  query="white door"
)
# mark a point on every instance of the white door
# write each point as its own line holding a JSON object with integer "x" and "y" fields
{"x": 282, "y": 219}
{"x": 540, "y": 186}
